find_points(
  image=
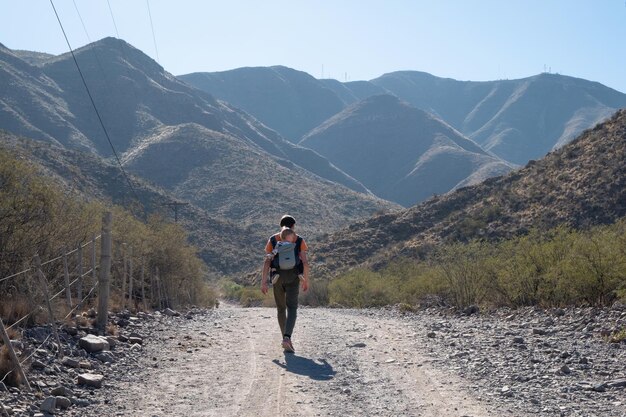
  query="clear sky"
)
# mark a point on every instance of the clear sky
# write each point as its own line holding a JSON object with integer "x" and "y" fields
{"x": 357, "y": 39}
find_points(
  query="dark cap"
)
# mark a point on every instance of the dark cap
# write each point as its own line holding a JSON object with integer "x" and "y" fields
{"x": 287, "y": 221}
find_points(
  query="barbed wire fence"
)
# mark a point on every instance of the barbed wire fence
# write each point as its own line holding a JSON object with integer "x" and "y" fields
{"x": 97, "y": 279}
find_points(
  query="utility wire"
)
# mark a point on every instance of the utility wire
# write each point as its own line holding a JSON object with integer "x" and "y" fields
{"x": 152, "y": 27}
{"x": 93, "y": 103}
{"x": 113, "y": 18}
{"x": 81, "y": 21}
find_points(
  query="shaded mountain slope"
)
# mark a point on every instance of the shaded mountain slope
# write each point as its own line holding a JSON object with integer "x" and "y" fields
{"x": 289, "y": 101}
{"x": 135, "y": 96}
{"x": 399, "y": 152}
{"x": 517, "y": 120}
{"x": 580, "y": 185}
{"x": 241, "y": 183}
{"x": 88, "y": 176}
{"x": 32, "y": 104}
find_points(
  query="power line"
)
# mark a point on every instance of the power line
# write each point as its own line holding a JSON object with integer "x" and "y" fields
{"x": 81, "y": 21}
{"x": 113, "y": 18}
{"x": 152, "y": 27}
{"x": 93, "y": 103}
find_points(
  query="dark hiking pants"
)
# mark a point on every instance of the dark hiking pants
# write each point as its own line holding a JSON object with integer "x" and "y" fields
{"x": 286, "y": 292}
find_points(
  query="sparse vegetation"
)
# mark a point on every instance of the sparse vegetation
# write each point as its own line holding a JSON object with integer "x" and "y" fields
{"x": 618, "y": 336}
{"x": 558, "y": 268}
{"x": 7, "y": 369}
{"x": 38, "y": 217}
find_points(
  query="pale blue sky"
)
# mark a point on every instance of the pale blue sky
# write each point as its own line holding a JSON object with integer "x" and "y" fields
{"x": 466, "y": 40}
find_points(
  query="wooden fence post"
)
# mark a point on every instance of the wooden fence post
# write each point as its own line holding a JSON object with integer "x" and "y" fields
{"x": 12, "y": 355}
{"x": 125, "y": 271}
{"x": 105, "y": 271}
{"x": 44, "y": 287}
{"x": 94, "y": 277}
{"x": 152, "y": 292}
{"x": 143, "y": 287}
{"x": 158, "y": 283}
{"x": 79, "y": 283}
{"x": 66, "y": 275}
{"x": 130, "y": 278}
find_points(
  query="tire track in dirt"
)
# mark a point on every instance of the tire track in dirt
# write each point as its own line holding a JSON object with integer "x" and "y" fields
{"x": 230, "y": 363}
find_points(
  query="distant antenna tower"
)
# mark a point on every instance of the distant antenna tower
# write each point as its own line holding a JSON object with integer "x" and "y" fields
{"x": 322, "y": 71}
{"x": 345, "y": 78}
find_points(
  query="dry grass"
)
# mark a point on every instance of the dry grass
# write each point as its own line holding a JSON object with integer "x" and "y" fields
{"x": 15, "y": 308}
{"x": 83, "y": 321}
{"x": 116, "y": 302}
{"x": 7, "y": 372}
{"x": 617, "y": 336}
{"x": 112, "y": 329}
{"x": 13, "y": 334}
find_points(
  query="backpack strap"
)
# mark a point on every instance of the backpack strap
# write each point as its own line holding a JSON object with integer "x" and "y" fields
{"x": 274, "y": 241}
{"x": 297, "y": 250}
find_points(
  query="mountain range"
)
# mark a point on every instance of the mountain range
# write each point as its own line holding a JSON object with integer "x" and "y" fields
{"x": 401, "y": 153}
{"x": 193, "y": 139}
{"x": 580, "y": 185}
{"x": 516, "y": 120}
{"x": 86, "y": 176}
{"x": 243, "y": 147}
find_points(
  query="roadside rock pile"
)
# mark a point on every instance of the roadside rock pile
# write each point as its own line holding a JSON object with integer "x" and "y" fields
{"x": 562, "y": 362}
{"x": 89, "y": 365}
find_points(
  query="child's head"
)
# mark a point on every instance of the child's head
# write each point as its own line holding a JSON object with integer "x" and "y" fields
{"x": 287, "y": 235}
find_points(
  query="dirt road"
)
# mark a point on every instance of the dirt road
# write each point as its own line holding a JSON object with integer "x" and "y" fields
{"x": 229, "y": 363}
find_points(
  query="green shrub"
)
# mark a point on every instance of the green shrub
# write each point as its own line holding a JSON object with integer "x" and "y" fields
{"x": 416, "y": 281}
{"x": 361, "y": 288}
{"x": 252, "y": 297}
{"x": 317, "y": 294}
{"x": 558, "y": 267}
{"x": 40, "y": 217}
{"x": 230, "y": 290}
{"x": 465, "y": 270}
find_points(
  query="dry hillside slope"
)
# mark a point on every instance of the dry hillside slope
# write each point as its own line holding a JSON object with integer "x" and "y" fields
{"x": 239, "y": 182}
{"x": 401, "y": 153}
{"x": 580, "y": 185}
{"x": 86, "y": 176}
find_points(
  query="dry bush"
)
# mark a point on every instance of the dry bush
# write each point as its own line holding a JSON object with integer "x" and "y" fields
{"x": 83, "y": 321}
{"x": 116, "y": 301}
{"x": 112, "y": 329}
{"x": 14, "y": 308}
{"x": 252, "y": 297}
{"x": 268, "y": 301}
{"x": 317, "y": 294}
{"x": 7, "y": 367}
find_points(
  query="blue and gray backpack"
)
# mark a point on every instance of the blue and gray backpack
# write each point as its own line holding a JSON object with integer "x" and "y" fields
{"x": 287, "y": 255}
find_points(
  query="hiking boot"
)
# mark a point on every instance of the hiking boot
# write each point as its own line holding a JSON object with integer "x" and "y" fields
{"x": 287, "y": 345}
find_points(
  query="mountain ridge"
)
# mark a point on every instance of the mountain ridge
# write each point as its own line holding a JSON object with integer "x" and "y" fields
{"x": 401, "y": 153}
{"x": 580, "y": 185}
{"x": 517, "y": 120}
{"x": 137, "y": 100}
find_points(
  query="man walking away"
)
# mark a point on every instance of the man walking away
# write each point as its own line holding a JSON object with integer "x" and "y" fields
{"x": 286, "y": 278}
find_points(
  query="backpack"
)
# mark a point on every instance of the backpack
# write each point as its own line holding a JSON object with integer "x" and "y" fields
{"x": 288, "y": 256}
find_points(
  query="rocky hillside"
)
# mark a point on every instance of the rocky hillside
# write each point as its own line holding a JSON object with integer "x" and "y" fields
{"x": 87, "y": 176}
{"x": 517, "y": 120}
{"x": 580, "y": 185}
{"x": 400, "y": 153}
{"x": 236, "y": 181}
{"x": 140, "y": 103}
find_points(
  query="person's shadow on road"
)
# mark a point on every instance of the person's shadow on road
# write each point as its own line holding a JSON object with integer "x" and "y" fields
{"x": 319, "y": 371}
